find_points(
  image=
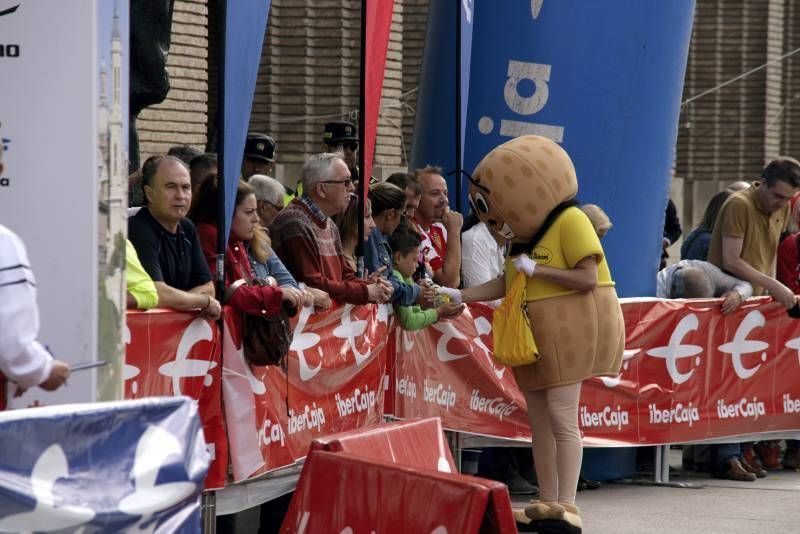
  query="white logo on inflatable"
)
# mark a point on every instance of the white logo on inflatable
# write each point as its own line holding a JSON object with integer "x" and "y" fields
{"x": 741, "y": 345}
{"x": 197, "y": 331}
{"x": 467, "y": 10}
{"x": 627, "y": 356}
{"x": 303, "y": 341}
{"x": 350, "y": 330}
{"x": 48, "y": 515}
{"x": 676, "y": 350}
{"x": 483, "y": 327}
{"x": 155, "y": 446}
{"x": 536, "y": 7}
{"x": 448, "y": 332}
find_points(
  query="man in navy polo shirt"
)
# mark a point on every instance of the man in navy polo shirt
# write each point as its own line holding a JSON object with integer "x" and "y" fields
{"x": 166, "y": 241}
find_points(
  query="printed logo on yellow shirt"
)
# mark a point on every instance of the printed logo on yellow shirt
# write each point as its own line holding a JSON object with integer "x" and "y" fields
{"x": 542, "y": 255}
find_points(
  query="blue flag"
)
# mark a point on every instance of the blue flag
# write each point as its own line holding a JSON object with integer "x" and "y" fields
{"x": 245, "y": 27}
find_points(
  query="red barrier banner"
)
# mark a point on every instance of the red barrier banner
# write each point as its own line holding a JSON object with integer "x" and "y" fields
{"x": 337, "y": 365}
{"x": 174, "y": 353}
{"x": 688, "y": 374}
{"x": 447, "y": 371}
{"x": 343, "y": 492}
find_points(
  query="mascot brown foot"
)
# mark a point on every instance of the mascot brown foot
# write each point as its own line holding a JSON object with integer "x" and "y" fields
{"x": 552, "y": 518}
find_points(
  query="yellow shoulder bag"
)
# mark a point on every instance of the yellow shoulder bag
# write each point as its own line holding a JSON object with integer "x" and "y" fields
{"x": 511, "y": 329}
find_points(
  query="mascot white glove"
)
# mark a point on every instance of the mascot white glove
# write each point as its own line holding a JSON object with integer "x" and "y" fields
{"x": 454, "y": 294}
{"x": 524, "y": 264}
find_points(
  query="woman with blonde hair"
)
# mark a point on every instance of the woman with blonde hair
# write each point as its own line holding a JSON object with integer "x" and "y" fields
{"x": 245, "y": 233}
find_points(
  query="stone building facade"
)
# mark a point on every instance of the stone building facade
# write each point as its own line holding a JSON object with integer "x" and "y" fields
{"x": 309, "y": 75}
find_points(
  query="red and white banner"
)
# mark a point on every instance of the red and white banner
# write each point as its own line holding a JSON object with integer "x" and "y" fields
{"x": 447, "y": 371}
{"x": 689, "y": 373}
{"x": 172, "y": 353}
{"x": 337, "y": 365}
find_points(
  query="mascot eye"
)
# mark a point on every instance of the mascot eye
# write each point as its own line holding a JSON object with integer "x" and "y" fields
{"x": 481, "y": 206}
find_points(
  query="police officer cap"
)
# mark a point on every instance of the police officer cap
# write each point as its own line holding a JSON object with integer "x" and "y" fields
{"x": 339, "y": 131}
{"x": 259, "y": 146}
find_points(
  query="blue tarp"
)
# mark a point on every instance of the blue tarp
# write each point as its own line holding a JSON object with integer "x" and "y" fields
{"x": 106, "y": 467}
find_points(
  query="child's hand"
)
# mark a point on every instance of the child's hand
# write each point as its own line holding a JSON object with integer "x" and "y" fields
{"x": 450, "y": 310}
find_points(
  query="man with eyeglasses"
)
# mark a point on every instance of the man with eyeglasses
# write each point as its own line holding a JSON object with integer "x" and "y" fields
{"x": 269, "y": 197}
{"x": 306, "y": 239}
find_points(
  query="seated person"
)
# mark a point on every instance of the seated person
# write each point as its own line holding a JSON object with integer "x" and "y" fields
{"x": 245, "y": 231}
{"x": 389, "y": 203}
{"x": 166, "y": 241}
{"x": 695, "y": 279}
{"x": 308, "y": 242}
{"x": 405, "y": 251}
{"x": 141, "y": 291}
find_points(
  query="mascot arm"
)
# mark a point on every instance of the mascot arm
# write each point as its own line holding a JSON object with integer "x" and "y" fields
{"x": 582, "y": 277}
{"x": 486, "y": 292}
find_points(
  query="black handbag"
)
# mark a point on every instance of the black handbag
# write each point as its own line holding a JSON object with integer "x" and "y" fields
{"x": 265, "y": 340}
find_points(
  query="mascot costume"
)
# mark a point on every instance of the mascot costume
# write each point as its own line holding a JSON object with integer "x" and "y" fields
{"x": 524, "y": 191}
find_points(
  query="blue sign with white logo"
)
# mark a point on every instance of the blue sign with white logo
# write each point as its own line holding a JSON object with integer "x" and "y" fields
{"x": 603, "y": 79}
{"x": 108, "y": 467}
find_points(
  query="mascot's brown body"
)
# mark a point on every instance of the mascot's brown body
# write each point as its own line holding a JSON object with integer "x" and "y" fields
{"x": 579, "y": 333}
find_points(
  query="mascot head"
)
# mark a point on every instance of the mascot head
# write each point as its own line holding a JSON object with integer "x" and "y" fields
{"x": 518, "y": 183}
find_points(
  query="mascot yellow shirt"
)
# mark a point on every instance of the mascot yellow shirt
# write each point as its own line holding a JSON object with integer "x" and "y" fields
{"x": 570, "y": 239}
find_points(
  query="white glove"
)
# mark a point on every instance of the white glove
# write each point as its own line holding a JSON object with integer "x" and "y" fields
{"x": 454, "y": 294}
{"x": 524, "y": 264}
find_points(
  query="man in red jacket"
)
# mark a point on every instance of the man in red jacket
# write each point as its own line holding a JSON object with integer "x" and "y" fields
{"x": 307, "y": 241}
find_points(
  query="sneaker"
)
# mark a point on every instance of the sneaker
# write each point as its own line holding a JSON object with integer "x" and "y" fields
{"x": 791, "y": 459}
{"x": 770, "y": 453}
{"x": 759, "y": 473}
{"x": 749, "y": 455}
{"x": 735, "y": 471}
{"x": 519, "y": 486}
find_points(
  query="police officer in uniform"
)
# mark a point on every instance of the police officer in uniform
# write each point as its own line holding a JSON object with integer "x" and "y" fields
{"x": 259, "y": 155}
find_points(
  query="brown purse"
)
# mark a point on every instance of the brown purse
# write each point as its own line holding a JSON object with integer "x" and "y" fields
{"x": 265, "y": 340}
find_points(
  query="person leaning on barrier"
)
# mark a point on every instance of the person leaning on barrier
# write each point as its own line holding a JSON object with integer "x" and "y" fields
{"x": 166, "y": 241}
{"x": 246, "y": 232}
{"x": 141, "y": 291}
{"x": 308, "y": 242}
{"x": 695, "y": 279}
{"x": 389, "y": 204}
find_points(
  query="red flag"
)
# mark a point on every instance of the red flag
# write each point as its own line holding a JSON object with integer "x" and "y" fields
{"x": 379, "y": 23}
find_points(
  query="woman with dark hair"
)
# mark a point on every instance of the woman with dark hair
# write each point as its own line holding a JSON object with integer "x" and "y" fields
{"x": 245, "y": 230}
{"x": 389, "y": 204}
{"x": 695, "y": 246}
{"x": 347, "y": 222}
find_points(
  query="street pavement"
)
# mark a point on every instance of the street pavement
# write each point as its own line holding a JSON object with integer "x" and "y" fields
{"x": 770, "y": 505}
